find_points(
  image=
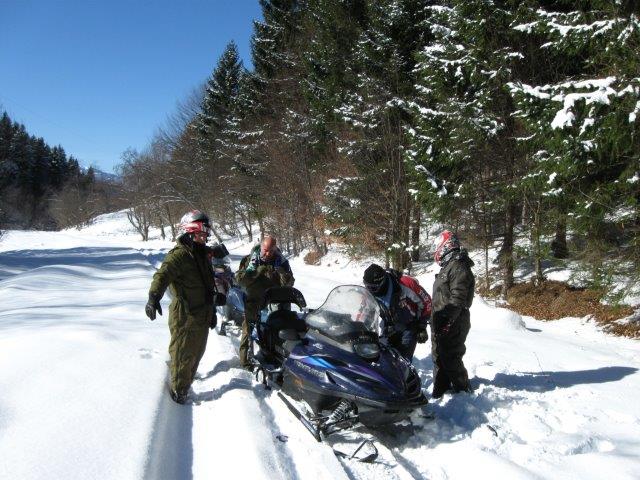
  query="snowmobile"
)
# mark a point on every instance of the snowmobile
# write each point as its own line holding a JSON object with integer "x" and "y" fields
{"x": 232, "y": 306}
{"x": 332, "y": 359}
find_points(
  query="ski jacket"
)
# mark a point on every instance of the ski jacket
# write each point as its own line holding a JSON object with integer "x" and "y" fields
{"x": 255, "y": 260}
{"x": 455, "y": 284}
{"x": 187, "y": 272}
{"x": 255, "y": 276}
{"x": 409, "y": 305}
{"x": 412, "y": 283}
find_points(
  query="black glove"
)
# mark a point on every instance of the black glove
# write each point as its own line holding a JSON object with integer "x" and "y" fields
{"x": 214, "y": 320}
{"x": 152, "y": 306}
{"x": 445, "y": 318}
{"x": 422, "y": 336}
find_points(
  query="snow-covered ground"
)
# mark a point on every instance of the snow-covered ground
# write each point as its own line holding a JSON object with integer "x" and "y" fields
{"x": 82, "y": 384}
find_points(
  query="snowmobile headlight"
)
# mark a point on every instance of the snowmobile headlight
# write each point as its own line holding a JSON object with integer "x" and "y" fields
{"x": 370, "y": 351}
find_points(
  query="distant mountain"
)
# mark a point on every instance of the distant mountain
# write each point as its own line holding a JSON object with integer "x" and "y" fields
{"x": 103, "y": 176}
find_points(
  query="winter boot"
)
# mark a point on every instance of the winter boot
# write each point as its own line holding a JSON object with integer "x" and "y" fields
{"x": 178, "y": 397}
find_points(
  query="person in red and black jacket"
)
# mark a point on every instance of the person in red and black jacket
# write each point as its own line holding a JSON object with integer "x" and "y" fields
{"x": 408, "y": 304}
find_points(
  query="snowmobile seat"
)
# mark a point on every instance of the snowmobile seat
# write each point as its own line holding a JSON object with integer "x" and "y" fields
{"x": 277, "y": 321}
{"x": 285, "y": 320}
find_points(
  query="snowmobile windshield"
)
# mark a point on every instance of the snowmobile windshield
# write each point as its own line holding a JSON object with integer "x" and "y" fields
{"x": 348, "y": 309}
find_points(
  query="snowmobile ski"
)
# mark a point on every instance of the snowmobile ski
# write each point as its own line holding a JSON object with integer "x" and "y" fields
{"x": 369, "y": 458}
{"x": 314, "y": 430}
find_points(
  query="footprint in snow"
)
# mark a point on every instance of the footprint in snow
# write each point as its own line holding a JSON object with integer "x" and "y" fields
{"x": 147, "y": 353}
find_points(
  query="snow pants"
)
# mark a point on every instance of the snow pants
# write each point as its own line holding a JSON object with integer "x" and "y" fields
{"x": 251, "y": 310}
{"x": 447, "y": 350}
{"x": 189, "y": 335}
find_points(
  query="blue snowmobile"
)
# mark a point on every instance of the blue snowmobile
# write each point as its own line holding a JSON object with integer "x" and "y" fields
{"x": 232, "y": 304}
{"x": 332, "y": 359}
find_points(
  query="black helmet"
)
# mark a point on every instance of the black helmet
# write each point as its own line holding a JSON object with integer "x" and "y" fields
{"x": 374, "y": 279}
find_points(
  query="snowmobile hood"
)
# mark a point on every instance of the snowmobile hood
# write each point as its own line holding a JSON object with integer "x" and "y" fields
{"x": 389, "y": 378}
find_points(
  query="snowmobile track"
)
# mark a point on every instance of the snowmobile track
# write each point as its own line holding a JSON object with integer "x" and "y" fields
{"x": 278, "y": 419}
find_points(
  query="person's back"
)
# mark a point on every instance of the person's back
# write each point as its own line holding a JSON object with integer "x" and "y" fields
{"x": 408, "y": 306}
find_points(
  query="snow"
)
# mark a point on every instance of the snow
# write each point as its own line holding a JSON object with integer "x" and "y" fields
{"x": 82, "y": 383}
{"x": 565, "y": 117}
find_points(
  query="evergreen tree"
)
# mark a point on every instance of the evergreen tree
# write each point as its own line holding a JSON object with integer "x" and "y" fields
{"x": 465, "y": 160}
{"x": 220, "y": 96}
{"x": 371, "y": 105}
{"x": 582, "y": 124}
{"x": 30, "y": 172}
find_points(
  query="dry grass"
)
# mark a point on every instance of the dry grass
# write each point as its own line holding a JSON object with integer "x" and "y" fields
{"x": 554, "y": 300}
{"x": 313, "y": 257}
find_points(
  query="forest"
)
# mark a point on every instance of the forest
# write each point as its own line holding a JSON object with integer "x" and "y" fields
{"x": 43, "y": 188}
{"x": 369, "y": 123}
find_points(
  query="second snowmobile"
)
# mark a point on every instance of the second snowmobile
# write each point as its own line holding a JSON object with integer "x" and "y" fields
{"x": 232, "y": 307}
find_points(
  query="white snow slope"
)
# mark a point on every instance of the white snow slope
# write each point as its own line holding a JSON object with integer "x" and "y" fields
{"x": 82, "y": 384}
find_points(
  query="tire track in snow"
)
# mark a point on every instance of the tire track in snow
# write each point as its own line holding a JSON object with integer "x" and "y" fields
{"x": 170, "y": 453}
{"x": 280, "y": 422}
{"x": 388, "y": 465}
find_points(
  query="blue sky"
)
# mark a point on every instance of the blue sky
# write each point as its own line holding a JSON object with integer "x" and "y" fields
{"x": 98, "y": 77}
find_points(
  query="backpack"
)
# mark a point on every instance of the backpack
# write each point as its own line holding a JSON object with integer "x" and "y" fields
{"x": 414, "y": 285}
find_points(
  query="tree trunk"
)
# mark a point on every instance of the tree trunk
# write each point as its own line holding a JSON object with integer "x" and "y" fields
{"x": 485, "y": 240}
{"x": 216, "y": 234}
{"x": 249, "y": 227}
{"x": 559, "y": 247}
{"x": 171, "y": 222}
{"x": 261, "y": 227}
{"x": 506, "y": 252}
{"x": 415, "y": 232}
{"x": 535, "y": 240}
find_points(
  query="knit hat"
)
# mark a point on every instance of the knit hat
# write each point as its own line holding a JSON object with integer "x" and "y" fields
{"x": 374, "y": 279}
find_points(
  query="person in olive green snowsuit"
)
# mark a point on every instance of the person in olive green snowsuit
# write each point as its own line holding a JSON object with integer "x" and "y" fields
{"x": 187, "y": 272}
{"x": 453, "y": 291}
{"x": 263, "y": 268}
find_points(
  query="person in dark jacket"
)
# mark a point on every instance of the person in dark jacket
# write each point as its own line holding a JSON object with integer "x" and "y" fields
{"x": 186, "y": 270}
{"x": 263, "y": 268}
{"x": 408, "y": 306}
{"x": 453, "y": 291}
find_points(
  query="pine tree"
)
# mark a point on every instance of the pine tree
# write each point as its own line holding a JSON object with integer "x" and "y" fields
{"x": 463, "y": 155}
{"x": 30, "y": 173}
{"x": 370, "y": 103}
{"x": 582, "y": 125}
{"x": 220, "y": 96}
